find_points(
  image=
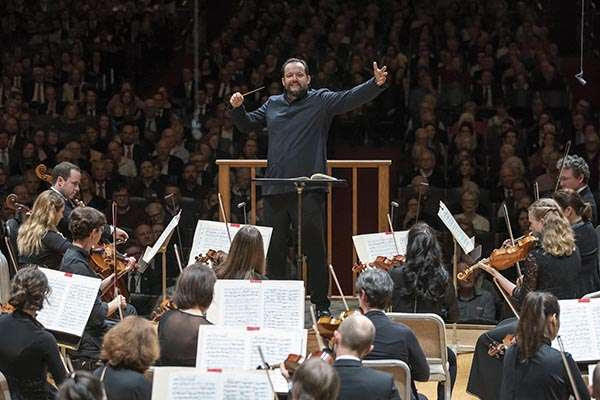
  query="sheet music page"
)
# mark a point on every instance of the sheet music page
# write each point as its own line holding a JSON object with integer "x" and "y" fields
{"x": 457, "y": 232}
{"x": 283, "y": 304}
{"x": 236, "y": 347}
{"x": 371, "y": 245}
{"x": 148, "y": 256}
{"x": 241, "y": 303}
{"x": 185, "y": 383}
{"x": 70, "y": 302}
{"x": 578, "y": 329}
{"x": 213, "y": 235}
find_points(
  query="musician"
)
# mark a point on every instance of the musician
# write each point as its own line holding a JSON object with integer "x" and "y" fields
{"x": 86, "y": 226}
{"x": 392, "y": 340}
{"x": 39, "y": 241}
{"x": 65, "y": 181}
{"x": 315, "y": 380}
{"x": 297, "y": 122}
{"x": 178, "y": 328}
{"x": 532, "y": 368}
{"x": 552, "y": 266}
{"x": 81, "y": 385}
{"x": 579, "y": 214}
{"x": 574, "y": 175}
{"x": 246, "y": 258}
{"x": 128, "y": 349}
{"x": 27, "y": 350}
{"x": 423, "y": 285}
{"x": 353, "y": 340}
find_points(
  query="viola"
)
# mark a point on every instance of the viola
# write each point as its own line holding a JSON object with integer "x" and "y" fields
{"x": 497, "y": 349}
{"x": 505, "y": 257}
{"x": 102, "y": 259}
{"x": 380, "y": 262}
{"x": 327, "y": 325}
{"x": 214, "y": 258}
{"x": 165, "y": 305}
{"x": 6, "y": 308}
{"x": 12, "y": 203}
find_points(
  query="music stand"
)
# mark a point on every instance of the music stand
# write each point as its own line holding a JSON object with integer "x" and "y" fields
{"x": 300, "y": 184}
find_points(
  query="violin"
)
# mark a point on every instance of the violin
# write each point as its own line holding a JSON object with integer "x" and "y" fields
{"x": 12, "y": 203}
{"x": 165, "y": 305}
{"x": 327, "y": 325}
{"x": 504, "y": 257}
{"x": 6, "y": 308}
{"x": 214, "y": 258}
{"x": 102, "y": 260}
{"x": 380, "y": 262}
{"x": 498, "y": 349}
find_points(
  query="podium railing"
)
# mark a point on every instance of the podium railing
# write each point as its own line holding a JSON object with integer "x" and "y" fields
{"x": 383, "y": 198}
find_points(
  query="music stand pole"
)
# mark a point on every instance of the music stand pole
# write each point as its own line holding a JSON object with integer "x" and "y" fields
{"x": 299, "y": 191}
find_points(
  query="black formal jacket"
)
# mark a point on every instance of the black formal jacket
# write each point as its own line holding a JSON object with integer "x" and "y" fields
{"x": 50, "y": 255}
{"x": 586, "y": 240}
{"x": 588, "y": 197}
{"x": 358, "y": 382}
{"x": 396, "y": 341}
{"x": 124, "y": 383}
{"x": 541, "y": 377}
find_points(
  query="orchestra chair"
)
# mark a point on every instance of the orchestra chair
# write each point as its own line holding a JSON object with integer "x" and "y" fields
{"x": 592, "y": 295}
{"x": 4, "y": 392}
{"x": 430, "y": 331}
{"x": 399, "y": 369}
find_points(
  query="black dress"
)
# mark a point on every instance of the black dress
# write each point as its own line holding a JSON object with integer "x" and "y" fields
{"x": 541, "y": 377}
{"x": 586, "y": 239}
{"x": 27, "y": 353}
{"x": 541, "y": 272}
{"x": 50, "y": 255}
{"x": 124, "y": 383}
{"x": 178, "y": 338}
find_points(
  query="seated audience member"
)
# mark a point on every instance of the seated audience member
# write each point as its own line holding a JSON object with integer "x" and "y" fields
{"x": 86, "y": 227}
{"x": 246, "y": 258}
{"x": 315, "y": 380}
{"x": 27, "y": 350}
{"x": 469, "y": 202}
{"x": 532, "y": 368}
{"x": 39, "y": 241}
{"x": 353, "y": 340}
{"x": 475, "y": 305}
{"x": 178, "y": 328}
{"x": 392, "y": 340}
{"x": 81, "y": 385}
{"x": 128, "y": 349}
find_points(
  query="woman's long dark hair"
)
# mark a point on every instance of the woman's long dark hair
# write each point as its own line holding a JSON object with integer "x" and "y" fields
{"x": 534, "y": 327}
{"x": 425, "y": 275}
{"x": 246, "y": 256}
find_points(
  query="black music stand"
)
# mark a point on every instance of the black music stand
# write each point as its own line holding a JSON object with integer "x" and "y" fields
{"x": 300, "y": 184}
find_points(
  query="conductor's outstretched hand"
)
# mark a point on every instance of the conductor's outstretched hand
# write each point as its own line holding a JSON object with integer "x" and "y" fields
{"x": 236, "y": 100}
{"x": 380, "y": 74}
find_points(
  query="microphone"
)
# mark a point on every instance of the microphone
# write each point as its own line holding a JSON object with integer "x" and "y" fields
{"x": 243, "y": 205}
{"x": 394, "y": 205}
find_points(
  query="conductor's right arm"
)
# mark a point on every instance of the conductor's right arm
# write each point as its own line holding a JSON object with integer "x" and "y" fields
{"x": 247, "y": 121}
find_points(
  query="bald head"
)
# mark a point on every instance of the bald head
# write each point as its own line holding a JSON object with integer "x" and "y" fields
{"x": 355, "y": 335}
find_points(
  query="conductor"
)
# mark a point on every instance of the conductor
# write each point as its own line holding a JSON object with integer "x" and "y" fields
{"x": 297, "y": 123}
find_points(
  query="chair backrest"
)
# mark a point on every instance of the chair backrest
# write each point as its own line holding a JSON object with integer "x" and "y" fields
{"x": 399, "y": 369}
{"x": 429, "y": 330}
{"x": 4, "y": 391}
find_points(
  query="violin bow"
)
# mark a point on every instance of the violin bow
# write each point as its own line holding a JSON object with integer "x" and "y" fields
{"x": 114, "y": 248}
{"x": 320, "y": 342}
{"x": 393, "y": 236}
{"x": 510, "y": 233}
{"x": 337, "y": 283}
{"x": 566, "y": 364}
{"x": 178, "y": 257}
{"x": 266, "y": 367}
{"x": 505, "y": 296}
{"x": 562, "y": 164}
{"x": 419, "y": 201}
{"x": 536, "y": 191}
{"x": 224, "y": 216}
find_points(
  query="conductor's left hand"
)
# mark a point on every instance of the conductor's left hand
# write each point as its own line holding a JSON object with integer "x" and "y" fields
{"x": 380, "y": 74}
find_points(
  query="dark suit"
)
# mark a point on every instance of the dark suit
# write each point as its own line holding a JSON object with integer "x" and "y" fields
{"x": 397, "y": 342}
{"x": 356, "y": 381}
{"x": 139, "y": 153}
{"x": 588, "y": 197}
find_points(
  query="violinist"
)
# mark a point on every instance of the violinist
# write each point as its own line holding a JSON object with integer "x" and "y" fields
{"x": 353, "y": 340}
{"x": 246, "y": 258}
{"x": 392, "y": 340}
{"x": 178, "y": 327}
{"x": 39, "y": 241}
{"x": 423, "y": 284}
{"x": 579, "y": 215}
{"x": 86, "y": 227}
{"x": 532, "y": 368}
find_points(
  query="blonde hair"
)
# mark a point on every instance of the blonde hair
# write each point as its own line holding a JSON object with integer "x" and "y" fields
{"x": 557, "y": 235}
{"x": 45, "y": 215}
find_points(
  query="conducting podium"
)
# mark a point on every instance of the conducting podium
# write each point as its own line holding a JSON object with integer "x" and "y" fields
{"x": 301, "y": 183}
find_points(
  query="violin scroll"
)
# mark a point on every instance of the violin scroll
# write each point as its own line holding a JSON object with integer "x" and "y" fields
{"x": 41, "y": 171}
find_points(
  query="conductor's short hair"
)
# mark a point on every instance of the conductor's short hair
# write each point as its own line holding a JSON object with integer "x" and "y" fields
{"x": 294, "y": 60}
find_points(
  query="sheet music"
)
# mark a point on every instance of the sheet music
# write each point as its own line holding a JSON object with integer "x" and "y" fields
{"x": 579, "y": 329}
{"x": 213, "y": 235}
{"x": 457, "y": 232}
{"x": 228, "y": 348}
{"x": 371, "y": 245}
{"x": 185, "y": 383}
{"x": 166, "y": 234}
{"x": 70, "y": 302}
{"x": 268, "y": 304}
